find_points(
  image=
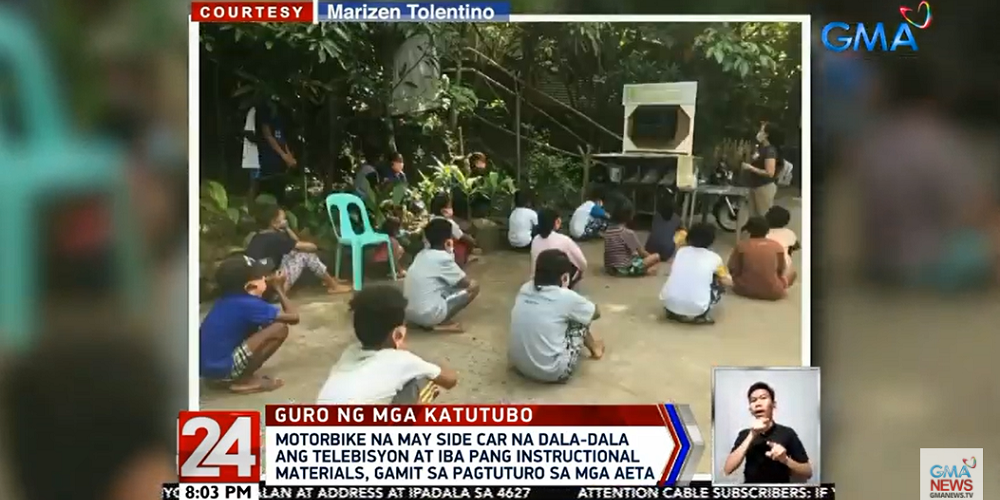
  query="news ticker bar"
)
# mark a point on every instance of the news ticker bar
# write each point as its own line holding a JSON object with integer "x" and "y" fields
{"x": 697, "y": 490}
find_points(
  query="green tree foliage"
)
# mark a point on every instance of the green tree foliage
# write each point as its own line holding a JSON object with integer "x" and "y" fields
{"x": 334, "y": 83}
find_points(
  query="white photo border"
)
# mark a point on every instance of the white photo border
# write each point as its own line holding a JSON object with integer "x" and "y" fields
{"x": 804, "y": 170}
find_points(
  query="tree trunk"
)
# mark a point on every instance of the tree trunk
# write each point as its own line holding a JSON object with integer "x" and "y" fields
{"x": 333, "y": 141}
{"x": 390, "y": 129}
{"x": 220, "y": 135}
{"x": 517, "y": 130}
{"x": 453, "y": 119}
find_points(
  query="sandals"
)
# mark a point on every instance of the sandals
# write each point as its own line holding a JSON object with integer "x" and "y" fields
{"x": 450, "y": 327}
{"x": 704, "y": 319}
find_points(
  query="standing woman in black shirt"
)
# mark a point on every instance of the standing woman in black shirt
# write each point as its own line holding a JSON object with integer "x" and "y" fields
{"x": 764, "y": 168}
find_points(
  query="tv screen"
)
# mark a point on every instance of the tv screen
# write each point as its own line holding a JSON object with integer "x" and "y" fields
{"x": 654, "y": 126}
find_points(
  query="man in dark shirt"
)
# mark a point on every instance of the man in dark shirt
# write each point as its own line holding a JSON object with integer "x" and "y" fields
{"x": 773, "y": 453}
{"x": 273, "y": 151}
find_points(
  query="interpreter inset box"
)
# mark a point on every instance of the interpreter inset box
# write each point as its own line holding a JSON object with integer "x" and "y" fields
{"x": 765, "y": 425}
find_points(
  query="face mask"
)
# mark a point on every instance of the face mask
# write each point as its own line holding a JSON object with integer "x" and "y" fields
{"x": 283, "y": 224}
{"x": 447, "y": 212}
{"x": 761, "y": 136}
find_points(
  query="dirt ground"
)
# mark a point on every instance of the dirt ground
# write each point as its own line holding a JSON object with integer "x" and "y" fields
{"x": 648, "y": 360}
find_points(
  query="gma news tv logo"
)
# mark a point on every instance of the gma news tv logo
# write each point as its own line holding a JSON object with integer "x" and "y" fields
{"x": 951, "y": 473}
{"x": 841, "y": 36}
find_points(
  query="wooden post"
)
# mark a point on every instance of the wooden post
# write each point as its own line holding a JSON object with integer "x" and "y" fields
{"x": 220, "y": 135}
{"x": 587, "y": 162}
{"x": 517, "y": 131}
{"x": 329, "y": 170}
{"x": 453, "y": 119}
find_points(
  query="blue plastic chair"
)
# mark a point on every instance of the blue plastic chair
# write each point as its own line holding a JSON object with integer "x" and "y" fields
{"x": 46, "y": 160}
{"x": 357, "y": 242}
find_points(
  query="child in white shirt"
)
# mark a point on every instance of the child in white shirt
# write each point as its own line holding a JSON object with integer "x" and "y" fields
{"x": 589, "y": 219}
{"x": 379, "y": 369}
{"x": 521, "y": 224}
{"x": 697, "y": 279}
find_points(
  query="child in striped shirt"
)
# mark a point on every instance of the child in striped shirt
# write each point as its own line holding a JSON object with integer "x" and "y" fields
{"x": 623, "y": 254}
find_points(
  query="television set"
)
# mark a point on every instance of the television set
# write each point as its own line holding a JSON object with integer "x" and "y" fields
{"x": 659, "y": 117}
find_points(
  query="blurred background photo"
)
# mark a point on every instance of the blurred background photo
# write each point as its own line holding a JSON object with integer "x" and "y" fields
{"x": 94, "y": 135}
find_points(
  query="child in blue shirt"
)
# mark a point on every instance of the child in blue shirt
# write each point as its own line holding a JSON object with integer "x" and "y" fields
{"x": 242, "y": 330}
{"x": 589, "y": 220}
{"x": 396, "y": 173}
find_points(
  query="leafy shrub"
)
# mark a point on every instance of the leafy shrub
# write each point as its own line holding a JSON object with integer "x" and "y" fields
{"x": 732, "y": 153}
{"x": 555, "y": 180}
{"x": 495, "y": 186}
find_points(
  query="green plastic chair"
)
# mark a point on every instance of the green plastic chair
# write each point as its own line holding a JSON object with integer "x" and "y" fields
{"x": 47, "y": 159}
{"x": 346, "y": 237}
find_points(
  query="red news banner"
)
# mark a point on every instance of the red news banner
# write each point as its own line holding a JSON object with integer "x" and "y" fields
{"x": 252, "y": 12}
{"x": 451, "y": 451}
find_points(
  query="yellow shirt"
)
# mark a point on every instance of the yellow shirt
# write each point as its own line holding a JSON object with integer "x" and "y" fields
{"x": 680, "y": 237}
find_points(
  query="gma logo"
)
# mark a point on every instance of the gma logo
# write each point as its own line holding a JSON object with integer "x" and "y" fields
{"x": 950, "y": 471}
{"x": 838, "y": 37}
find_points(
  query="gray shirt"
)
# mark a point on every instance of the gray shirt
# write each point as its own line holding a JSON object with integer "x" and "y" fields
{"x": 433, "y": 276}
{"x": 362, "y": 181}
{"x": 538, "y": 324}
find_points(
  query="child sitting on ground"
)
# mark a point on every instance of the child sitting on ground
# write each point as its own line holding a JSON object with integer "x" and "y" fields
{"x": 667, "y": 233}
{"x": 435, "y": 286}
{"x": 441, "y": 208}
{"x": 521, "y": 224}
{"x": 242, "y": 330}
{"x": 758, "y": 264}
{"x": 697, "y": 278}
{"x": 549, "y": 238}
{"x": 550, "y": 324}
{"x": 623, "y": 254}
{"x": 381, "y": 256}
{"x": 589, "y": 219}
{"x": 778, "y": 219}
{"x": 379, "y": 369}
{"x": 276, "y": 242}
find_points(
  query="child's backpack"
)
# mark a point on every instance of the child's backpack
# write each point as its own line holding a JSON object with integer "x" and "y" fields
{"x": 785, "y": 176}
